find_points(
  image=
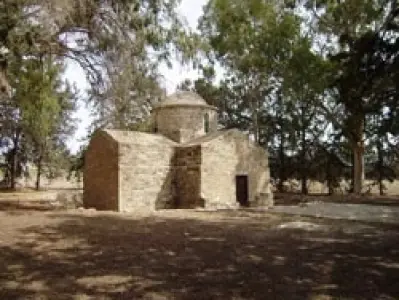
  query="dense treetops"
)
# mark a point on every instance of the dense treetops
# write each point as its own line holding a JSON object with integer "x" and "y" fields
{"x": 315, "y": 82}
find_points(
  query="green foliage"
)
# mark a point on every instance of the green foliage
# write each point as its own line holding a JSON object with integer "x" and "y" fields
{"x": 319, "y": 89}
{"x": 38, "y": 99}
{"x": 365, "y": 61}
{"x": 119, "y": 44}
{"x": 86, "y": 30}
{"x": 249, "y": 36}
{"x": 39, "y": 116}
{"x": 76, "y": 164}
{"x": 307, "y": 84}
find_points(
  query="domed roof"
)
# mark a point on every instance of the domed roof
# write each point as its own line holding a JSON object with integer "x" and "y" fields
{"x": 183, "y": 99}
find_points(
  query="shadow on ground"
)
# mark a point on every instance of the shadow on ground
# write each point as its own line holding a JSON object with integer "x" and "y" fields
{"x": 75, "y": 256}
{"x": 25, "y": 205}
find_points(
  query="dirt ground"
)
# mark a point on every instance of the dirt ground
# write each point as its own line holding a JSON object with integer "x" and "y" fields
{"x": 82, "y": 254}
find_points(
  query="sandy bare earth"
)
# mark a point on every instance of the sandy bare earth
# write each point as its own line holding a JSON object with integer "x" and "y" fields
{"x": 194, "y": 255}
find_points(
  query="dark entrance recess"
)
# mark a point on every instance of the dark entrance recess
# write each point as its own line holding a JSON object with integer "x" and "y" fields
{"x": 242, "y": 190}
{"x": 206, "y": 123}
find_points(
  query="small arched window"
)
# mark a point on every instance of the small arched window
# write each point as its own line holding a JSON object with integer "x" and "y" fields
{"x": 206, "y": 123}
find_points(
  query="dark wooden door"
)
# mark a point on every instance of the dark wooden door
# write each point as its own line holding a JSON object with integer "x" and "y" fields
{"x": 242, "y": 190}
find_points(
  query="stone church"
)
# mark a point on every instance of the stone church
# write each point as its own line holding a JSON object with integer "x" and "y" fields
{"x": 186, "y": 162}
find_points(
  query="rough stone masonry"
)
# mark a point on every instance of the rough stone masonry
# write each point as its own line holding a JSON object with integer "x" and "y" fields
{"x": 185, "y": 162}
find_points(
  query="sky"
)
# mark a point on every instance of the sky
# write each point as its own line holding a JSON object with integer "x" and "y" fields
{"x": 191, "y": 10}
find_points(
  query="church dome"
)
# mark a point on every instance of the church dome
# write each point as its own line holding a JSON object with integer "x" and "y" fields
{"x": 184, "y": 116}
{"x": 183, "y": 99}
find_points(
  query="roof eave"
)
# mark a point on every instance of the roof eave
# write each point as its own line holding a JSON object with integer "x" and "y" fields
{"x": 159, "y": 106}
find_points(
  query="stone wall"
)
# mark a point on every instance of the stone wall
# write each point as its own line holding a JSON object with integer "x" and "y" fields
{"x": 223, "y": 158}
{"x": 145, "y": 172}
{"x": 127, "y": 171}
{"x": 101, "y": 173}
{"x": 184, "y": 123}
{"x": 187, "y": 178}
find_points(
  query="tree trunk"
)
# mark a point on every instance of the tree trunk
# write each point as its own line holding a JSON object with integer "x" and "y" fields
{"x": 14, "y": 160}
{"x": 39, "y": 172}
{"x": 329, "y": 178}
{"x": 303, "y": 163}
{"x": 280, "y": 185}
{"x": 358, "y": 168}
{"x": 13, "y": 169}
{"x": 255, "y": 120}
{"x": 281, "y": 172}
{"x": 304, "y": 187}
{"x": 357, "y": 128}
{"x": 352, "y": 182}
{"x": 380, "y": 168}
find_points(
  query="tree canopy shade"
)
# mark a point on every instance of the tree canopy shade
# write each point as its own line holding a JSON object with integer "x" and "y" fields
{"x": 87, "y": 31}
{"x": 253, "y": 40}
{"x": 250, "y": 36}
{"x": 314, "y": 81}
{"x": 45, "y": 105}
{"x": 118, "y": 43}
{"x": 366, "y": 65}
{"x": 312, "y": 71}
